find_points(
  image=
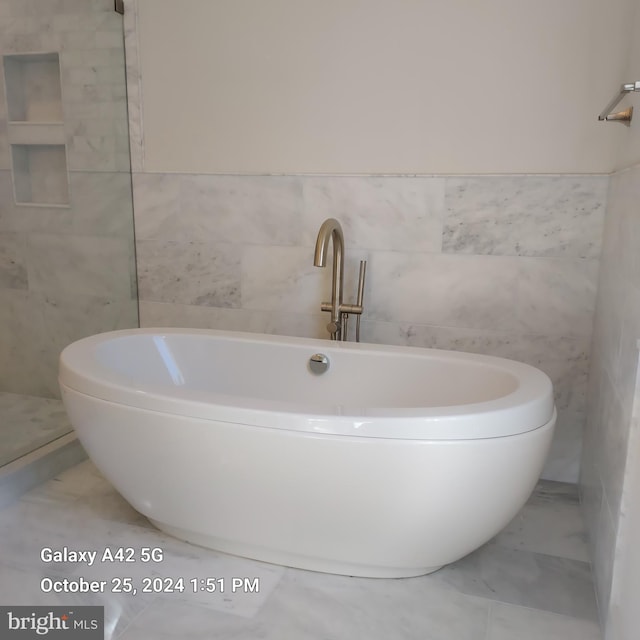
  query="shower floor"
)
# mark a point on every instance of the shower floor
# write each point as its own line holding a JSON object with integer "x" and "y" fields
{"x": 29, "y": 422}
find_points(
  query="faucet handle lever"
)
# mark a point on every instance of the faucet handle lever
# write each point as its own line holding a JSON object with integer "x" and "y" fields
{"x": 361, "y": 277}
{"x": 360, "y": 298}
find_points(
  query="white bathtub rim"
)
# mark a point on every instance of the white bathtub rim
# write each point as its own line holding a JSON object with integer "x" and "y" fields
{"x": 527, "y": 408}
{"x": 426, "y": 430}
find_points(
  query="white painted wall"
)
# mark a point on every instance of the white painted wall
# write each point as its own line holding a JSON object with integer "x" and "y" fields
{"x": 380, "y": 86}
{"x": 629, "y": 146}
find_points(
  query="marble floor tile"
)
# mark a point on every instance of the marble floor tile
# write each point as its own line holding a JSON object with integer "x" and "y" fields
{"x": 505, "y": 591}
{"x": 29, "y": 422}
{"x": 20, "y": 587}
{"x": 508, "y": 622}
{"x": 550, "y": 523}
{"x": 528, "y": 579}
{"x": 310, "y": 606}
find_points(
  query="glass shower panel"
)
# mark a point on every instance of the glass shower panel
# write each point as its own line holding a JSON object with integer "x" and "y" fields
{"x": 67, "y": 265}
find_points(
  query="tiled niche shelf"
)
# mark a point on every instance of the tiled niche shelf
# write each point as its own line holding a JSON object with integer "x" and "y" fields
{"x": 36, "y": 129}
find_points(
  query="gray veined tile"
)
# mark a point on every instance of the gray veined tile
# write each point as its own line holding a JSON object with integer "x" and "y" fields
{"x": 52, "y": 265}
{"x": 554, "y": 528}
{"x": 559, "y": 216}
{"x": 84, "y": 489}
{"x": 157, "y": 206}
{"x": 385, "y": 213}
{"x": 23, "y": 366}
{"x": 249, "y": 209}
{"x": 517, "y": 623}
{"x": 555, "y": 493}
{"x": 190, "y": 273}
{"x": 24, "y": 587}
{"x": 563, "y": 460}
{"x": 13, "y": 268}
{"x": 524, "y": 578}
{"x": 556, "y": 296}
{"x": 28, "y": 422}
{"x": 329, "y": 606}
{"x": 314, "y": 606}
{"x": 277, "y": 278}
{"x": 475, "y": 292}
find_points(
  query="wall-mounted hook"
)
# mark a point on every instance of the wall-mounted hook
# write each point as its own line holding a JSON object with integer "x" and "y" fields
{"x": 621, "y": 116}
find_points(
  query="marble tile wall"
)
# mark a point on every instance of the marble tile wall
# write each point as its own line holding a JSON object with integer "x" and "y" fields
{"x": 612, "y": 381}
{"x": 67, "y": 272}
{"x": 505, "y": 265}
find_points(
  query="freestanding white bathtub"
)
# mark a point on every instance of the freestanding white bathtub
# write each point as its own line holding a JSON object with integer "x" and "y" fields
{"x": 392, "y": 463}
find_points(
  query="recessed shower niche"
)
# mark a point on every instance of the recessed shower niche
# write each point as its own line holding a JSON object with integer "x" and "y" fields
{"x": 36, "y": 129}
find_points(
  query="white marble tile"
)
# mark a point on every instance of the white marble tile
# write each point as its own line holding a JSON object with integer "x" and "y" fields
{"x": 509, "y": 622}
{"x": 241, "y": 209}
{"x": 162, "y": 314}
{"x": 83, "y": 489}
{"x": 612, "y": 377}
{"x": 167, "y": 314}
{"x": 563, "y": 461}
{"x": 303, "y": 325}
{"x": 556, "y": 295}
{"x": 53, "y": 261}
{"x": 612, "y": 457}
{"x": 196, "y": 273}
{"x": 604, "y": 542}
{"x": 559, "y": 216}
{"x": 21, "y": 357}
{"x": 524, "y": 578}
{"x": 13, "y": 271}
{"x": 157, "y": 207}
{"x": 101, "y": 204}
{"x": 385, "y": 213}
{"x": 310, "y": 606}
{"x": 280, "y": 278}
{"x": 22, "y": 587}
{"x": 219, "y": 208}
{"x": 552, "y": 527}
{"x": 28, "y": 422}
{"x": 69, "y": 317}
{"x": 622, "y": 233}
{"x": 460, "y": 291}
{"x": 548, "y": 492}
{"x": 625, "y": 374}
{"x": 73, "y": 28}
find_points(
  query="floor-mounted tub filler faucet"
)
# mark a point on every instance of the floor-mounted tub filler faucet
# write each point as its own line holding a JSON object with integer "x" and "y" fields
{"x": 338, "y": 326}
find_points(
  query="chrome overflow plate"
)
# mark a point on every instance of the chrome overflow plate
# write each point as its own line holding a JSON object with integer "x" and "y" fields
{"x": 318, "y": 363}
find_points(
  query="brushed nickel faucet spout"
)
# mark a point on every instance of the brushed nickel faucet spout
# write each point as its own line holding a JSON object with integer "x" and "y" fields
{"x": 330, "y": 230}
